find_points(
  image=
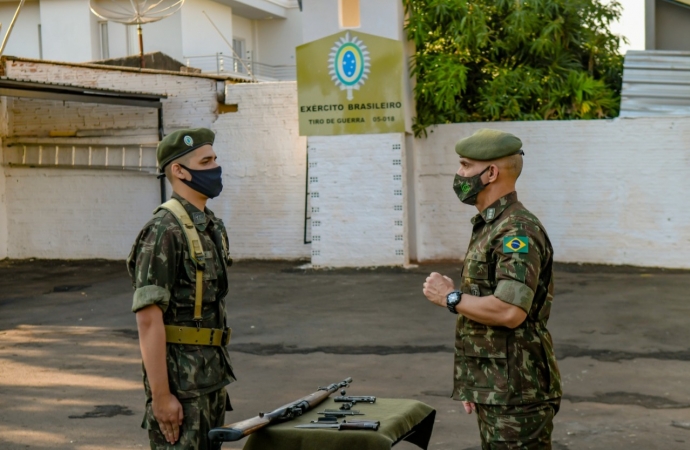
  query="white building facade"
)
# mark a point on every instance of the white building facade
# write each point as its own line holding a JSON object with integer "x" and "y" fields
{"x": 262, "y": 35}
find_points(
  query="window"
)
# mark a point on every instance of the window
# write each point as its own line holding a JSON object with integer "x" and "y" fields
{"x": 349, "y": 13}
{"x": 103, "y": 35}
{"x": 240, "y": 48}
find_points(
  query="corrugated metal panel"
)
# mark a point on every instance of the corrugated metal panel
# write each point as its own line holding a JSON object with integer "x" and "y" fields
{"x": 656, "y": 83}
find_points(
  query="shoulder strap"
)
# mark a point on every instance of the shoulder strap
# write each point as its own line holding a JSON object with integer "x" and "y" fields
{"x": 196, "y": 251}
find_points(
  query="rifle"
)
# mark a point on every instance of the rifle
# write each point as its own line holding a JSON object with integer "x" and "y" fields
{"x": 237, "y": 431}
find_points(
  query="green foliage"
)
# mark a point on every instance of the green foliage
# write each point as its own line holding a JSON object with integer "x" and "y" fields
{"x": 489, "y": 60}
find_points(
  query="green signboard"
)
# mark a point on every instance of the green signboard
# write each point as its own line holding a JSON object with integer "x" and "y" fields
{"x": 350, "y": 83}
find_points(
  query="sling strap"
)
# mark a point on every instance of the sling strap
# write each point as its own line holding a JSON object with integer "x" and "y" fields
{"x": 196, "y": 251}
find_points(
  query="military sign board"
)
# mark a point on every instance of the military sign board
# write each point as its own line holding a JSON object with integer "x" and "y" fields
{"x": 350, "y": 83}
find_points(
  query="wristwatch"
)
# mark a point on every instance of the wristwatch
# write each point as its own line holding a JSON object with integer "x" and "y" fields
{"x": 452, "y": 301}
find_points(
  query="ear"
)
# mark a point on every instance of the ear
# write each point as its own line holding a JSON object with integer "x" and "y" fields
{"x": 178, "y": 172}
{"x": 493, "y": 173}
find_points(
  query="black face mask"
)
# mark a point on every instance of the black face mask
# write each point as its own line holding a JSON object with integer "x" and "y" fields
{"x": 208, "y": 182}
{"x": 467, "y": 188}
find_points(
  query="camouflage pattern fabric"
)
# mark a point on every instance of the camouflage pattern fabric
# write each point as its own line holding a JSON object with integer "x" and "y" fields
{"x": 523, "y": 427}
{"x": 200, "y": 415}
{"x": 164, "y": 274}
{"x": 497, "y": 365}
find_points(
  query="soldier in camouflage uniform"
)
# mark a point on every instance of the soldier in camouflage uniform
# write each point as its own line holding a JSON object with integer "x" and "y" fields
{"x": 505, "y": 367}
{"x": 184, "y": 380}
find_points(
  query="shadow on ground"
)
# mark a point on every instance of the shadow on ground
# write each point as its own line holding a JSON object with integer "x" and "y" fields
{"x": 70, "y": 368}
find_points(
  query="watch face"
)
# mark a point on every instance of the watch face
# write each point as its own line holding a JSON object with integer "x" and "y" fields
{"x": 453, "y": 297}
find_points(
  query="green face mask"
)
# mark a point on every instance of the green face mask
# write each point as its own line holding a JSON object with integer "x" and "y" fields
{"x": 467, "y": 188}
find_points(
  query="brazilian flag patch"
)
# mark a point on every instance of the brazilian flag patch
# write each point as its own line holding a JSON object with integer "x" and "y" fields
{"x": 515, "y": 244}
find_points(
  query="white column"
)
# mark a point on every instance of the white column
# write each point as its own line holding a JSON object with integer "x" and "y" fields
{"x": 356, "y": 190}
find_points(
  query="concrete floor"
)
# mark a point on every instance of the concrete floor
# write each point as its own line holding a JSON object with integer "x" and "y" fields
{"x": 70, "y": 366}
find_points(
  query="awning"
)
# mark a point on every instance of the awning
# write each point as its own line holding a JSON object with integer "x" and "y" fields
{"x": 52, "y": 91}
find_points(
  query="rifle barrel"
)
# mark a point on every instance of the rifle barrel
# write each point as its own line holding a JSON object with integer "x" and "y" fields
{"x": 239, "y": 430}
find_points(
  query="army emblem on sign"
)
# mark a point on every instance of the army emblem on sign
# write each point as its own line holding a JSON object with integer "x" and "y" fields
{"x": 349, "y": 64}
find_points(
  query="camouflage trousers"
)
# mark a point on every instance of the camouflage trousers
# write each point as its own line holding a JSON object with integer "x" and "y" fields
{"x": 200, "y": 415}
{"x": 519, "y": 427}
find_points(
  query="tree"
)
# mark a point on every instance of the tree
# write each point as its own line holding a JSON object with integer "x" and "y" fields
{"x": 490, "y": 60}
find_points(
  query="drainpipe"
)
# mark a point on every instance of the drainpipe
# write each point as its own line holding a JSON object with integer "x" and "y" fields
{"x": 160, "y": 138}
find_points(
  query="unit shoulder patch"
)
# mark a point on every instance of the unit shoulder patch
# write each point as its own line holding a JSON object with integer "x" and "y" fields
{"x": 515, "y": 244}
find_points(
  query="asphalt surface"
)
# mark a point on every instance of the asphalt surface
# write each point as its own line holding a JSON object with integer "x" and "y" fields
{"x": 70, "y": 373}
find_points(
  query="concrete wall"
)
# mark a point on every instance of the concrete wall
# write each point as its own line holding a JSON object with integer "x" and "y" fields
{"x": 264, "y": 164}
{"x": 608, "y": 192}
{"x": 24, "y": 38}
{"x": 357, "y": 200}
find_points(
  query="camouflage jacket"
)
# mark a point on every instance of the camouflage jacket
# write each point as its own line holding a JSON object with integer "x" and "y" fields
{"x": 163, "y": 274}
{"x": 509, "y": 256}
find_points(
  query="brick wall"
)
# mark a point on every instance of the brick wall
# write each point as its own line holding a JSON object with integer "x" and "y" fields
{"x": 64, "y": 213}
{"x": 357, "y": 200}
{"x": 191, "y": 102}
{"x": 264, "y": 166}
{"x": 60, "y": 213}
{"x": 610, "y": 192}
{"x": 73, "y": 214}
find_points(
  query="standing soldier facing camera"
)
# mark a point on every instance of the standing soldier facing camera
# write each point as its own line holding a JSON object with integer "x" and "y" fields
{"x": 505, "y": 367}
{"x": 178, "y": 266}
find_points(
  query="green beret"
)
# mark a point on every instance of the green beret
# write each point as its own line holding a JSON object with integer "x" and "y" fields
{"x": 180, "y": 143}
{"x": 487, "y": 145}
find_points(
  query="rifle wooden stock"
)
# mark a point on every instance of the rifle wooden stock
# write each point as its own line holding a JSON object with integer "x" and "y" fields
{"x": 239, "y": 430}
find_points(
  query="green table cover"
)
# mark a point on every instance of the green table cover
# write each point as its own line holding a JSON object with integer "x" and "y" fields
{"x": 400, "y": 419}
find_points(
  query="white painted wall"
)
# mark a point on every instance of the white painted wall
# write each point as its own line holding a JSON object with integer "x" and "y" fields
{"x": 264, "y": 172}
{"x": 24, "y": 38}
{"x": 200, "y": 38}
{"x": 278, "y": 38}
{"x": 243, "y": 28}
{"x": 380, "y": 17}
{"x": 67, "y": 31}
{"x": 164, "y": 36}
{"x": 76, "y": 214}
{"x": 607, "y": 191}
{"x": 356, "y": 193}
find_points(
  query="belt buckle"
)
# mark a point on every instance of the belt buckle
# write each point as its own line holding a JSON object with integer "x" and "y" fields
{"x": 210, "y": 340}
{"x": 227, "y": 332}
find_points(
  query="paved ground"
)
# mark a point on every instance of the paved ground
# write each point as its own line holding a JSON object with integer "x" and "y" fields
{"x": 70, "y": 367}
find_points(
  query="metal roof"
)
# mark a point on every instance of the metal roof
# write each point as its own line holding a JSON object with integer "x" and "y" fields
{"x": 656, "y": 83}
{"x": 52, "y": 91}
